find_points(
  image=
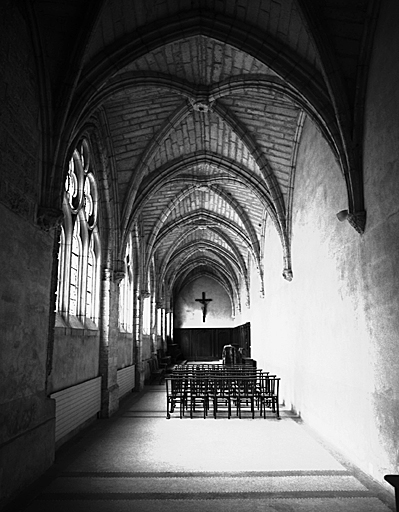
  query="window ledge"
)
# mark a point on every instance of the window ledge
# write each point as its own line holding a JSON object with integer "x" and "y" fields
{"x": 90, "y": 325}
{"x": 59, "y": 321}
{"x": 75, "y": 323}
{"x": 123, "y": 330}
{"x": 74, "y": 326}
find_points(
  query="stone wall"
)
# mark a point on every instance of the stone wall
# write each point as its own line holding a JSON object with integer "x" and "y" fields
{"x": 380, "y": 252}
{"x": 19, "y": 116}
{"x": 331, "y": 334}
{"x": 26, "y": 414}
{"x": 188, "y": 312}
{"x": 125, "y": 349}
{"x": 75, "y": 358}
{"x": 315, "y": 330}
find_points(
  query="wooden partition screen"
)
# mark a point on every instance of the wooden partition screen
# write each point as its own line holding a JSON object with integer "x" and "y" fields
{"x": 241, "y": 336}
{"x": 207, "y": 344}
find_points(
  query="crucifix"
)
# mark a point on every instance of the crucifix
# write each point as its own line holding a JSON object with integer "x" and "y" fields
{"x": 204, "y": 303}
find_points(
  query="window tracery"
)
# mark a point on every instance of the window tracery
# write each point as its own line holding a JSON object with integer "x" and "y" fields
{"x": 60, "y": 269}
{"x": 90, "y": 292}
{"x": 74, "y": 275}
{"x": 126, "y": 293}
{"x": 79, "y": 250}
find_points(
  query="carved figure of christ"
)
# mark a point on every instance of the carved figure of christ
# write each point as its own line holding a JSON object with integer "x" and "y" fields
{"x": 204, "y": 303}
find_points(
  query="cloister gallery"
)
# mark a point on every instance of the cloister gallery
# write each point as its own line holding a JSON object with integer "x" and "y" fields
{"x": 155, "y": 154}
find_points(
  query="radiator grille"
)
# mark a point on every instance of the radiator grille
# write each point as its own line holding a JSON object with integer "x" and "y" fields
{"x": 75, "y": 405}
{"x": 126, "y": 379}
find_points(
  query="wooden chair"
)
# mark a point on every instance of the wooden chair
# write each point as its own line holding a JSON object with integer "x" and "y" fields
{"x": 245, "y": 395}
{"x": 156, "y": 373}
{"x": 163, "y": 360}
{"x": 198, "y": 395}
{"x": 268, "y": 394}
{"x": 176, "y": 395}
{"x": 220, "y": 394}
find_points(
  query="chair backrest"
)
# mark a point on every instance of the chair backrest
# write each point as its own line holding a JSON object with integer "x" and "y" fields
{"x": 270, "y": 384}
{"x": 153, "y": 364}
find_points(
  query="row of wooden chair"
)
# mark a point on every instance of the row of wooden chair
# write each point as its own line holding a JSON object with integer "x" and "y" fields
{"x": 212, "y": 367}
{"x": 193, "y": 389}
{"x": 200, "y": 370}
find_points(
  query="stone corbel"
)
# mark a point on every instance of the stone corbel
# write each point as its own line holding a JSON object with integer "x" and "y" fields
{"x": 49, "y": 218}
{"x": 119, "y": 272}
{"x": 358, "y": 221}
{"x": 287, "y": 274}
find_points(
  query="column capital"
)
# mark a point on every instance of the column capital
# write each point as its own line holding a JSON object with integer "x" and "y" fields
{"x": 119, "y": 271}
{"x": 118, "y": 275}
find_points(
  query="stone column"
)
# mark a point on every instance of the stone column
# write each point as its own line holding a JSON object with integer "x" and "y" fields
{"x": 163, "y": 329}
{"x": 138, "y": 339}
{"x": 159, "y": 324}
{"x": 108, "y": 342}
{"x": 169, "y": 325}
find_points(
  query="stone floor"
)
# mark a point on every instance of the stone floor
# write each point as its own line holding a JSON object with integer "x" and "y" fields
{"x": 140, "y": 461}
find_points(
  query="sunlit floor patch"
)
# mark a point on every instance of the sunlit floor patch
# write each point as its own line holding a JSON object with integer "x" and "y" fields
{"x": 140, "y": 461}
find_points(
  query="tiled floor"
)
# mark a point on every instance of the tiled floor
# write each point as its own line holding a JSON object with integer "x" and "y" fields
{"x": 140, "y": 461}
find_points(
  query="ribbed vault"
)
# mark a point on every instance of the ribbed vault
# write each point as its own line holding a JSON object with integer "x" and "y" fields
{"x": 201, "y": 105}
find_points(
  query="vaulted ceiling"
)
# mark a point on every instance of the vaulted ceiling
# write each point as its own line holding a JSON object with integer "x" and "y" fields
{"x": 202, "y": 103}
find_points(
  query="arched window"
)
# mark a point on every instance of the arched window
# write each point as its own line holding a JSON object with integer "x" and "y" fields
{"x": 91, "y": 273}
{"x": 126, "y": 293}
{"x": 60, "y": 279}
{"x": 79, "y": 251}
{"x": 74, "y": 282}
{"x": 147, "y": 314}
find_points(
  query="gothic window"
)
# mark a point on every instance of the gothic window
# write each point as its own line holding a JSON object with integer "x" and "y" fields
{"x": 91, "y": 272}
{"x": 79, "y": 251}
{"x": 74, "y": 276}
{"x": 122, "y": 305}
{"x": 126, "y": 294}
{"x": 147, "y": 315}
{"x": 60, "y": 270}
